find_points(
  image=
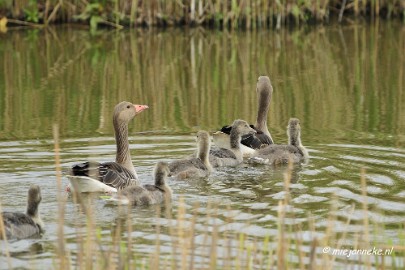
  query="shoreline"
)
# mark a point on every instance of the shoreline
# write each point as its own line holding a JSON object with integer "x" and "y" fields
{"x": 239, "y": 14}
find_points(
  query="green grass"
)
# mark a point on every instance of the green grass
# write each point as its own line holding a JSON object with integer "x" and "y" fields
{"x": 236, "y": 14}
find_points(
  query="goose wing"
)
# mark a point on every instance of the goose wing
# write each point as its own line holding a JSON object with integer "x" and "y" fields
{"x": 271, "y": 149}
{"x": 222, "y": 153}
{"x": 263, "y": 138}
{"x": 109, "y": 173}
{"x": 255, "y": 141}
{"x": 178, "y": 166}
{"x": 19, "y": 225}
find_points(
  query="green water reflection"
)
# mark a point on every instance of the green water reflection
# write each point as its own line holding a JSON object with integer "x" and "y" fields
{"x": 344, "y": 83}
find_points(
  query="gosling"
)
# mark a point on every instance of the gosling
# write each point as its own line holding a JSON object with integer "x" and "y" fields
{"x": 148, "y": 194}
{"x": 197, "y": 166}
{"x": 20, "y": 225}
{"x": 293, "y": 152}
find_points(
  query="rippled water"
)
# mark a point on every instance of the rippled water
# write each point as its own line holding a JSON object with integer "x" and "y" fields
{"x": 350, "y": 120}
{"x": 252, "y": 192}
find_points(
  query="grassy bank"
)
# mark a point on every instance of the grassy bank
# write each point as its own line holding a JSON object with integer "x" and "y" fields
{"x": 245, "y": 14}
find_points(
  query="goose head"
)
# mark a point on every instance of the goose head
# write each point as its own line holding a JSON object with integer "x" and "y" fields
{"x": 264, "y": 89}
{"x": 242, "y": 127}
{"x": 264, "y": 92}
{"x": 34, "y": 195}
{"x": 294, "y": 132}
{"x": 125, "y": 111}
{"x": 203, "y": 147}
{"x": 203, "y": 140}
{"x": 239, "y": 129}
{"x": 34, "y": 198}
{"x": 161, "y": 172}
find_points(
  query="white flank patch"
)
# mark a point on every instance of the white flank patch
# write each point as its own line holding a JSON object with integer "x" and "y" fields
{"x": 87, "y": 184}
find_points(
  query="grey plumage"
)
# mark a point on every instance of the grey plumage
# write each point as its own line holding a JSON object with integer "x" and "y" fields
{"x": 293, "y": 152}
{"x": 220, "y": 157}
{"x": 264, "y": 91}
{"x": 121, "y": 173}
{"x": 197, "y": 166}
{"x": 24, "y": 225}
{"x": 149, "y": 194}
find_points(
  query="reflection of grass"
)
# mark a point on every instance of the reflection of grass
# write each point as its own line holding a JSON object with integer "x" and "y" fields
{"x": 194, "y": 239}
{"x": 235, "y": 13}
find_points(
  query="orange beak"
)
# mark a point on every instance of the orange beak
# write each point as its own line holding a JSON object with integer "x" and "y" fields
{"x": 140, "y": 108}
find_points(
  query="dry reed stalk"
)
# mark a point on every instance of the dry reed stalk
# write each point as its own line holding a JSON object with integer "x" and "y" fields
{"x": 130, "y": 254}
{"x": 227, "y": 237}
{"x": 155, "y": 258}
{"x": 61, "y": 249}
{"x": 299, "y": 245}
{"x": 356, "y": 7}
{"x": 192, "y": 232}
{"x": 181, "y": 213}
{"x": 329, "y": 238}
{"x": 4, "y": 237}
{"x": 36, "y": 25}
{"x": 314, "y": 243}
{"x": 343, "y": 237}
{"x": 173, "y": 236}
{"x": 365, "y": 212}
{"x": 214, "y": 245}
{"x": 281, "y": 250}
{"x": 205, "y": 239}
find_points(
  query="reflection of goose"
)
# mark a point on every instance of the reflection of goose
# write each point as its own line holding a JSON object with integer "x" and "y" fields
{"x": 110, "y": 176}
{"x": 148, "y": 194}
{"x": 264, "y": 91}
{"x": 279, "y": 154}
{"x": 19, "y": 225}
{"x": 199, "y": 166}
{"x": 233, "y": 156}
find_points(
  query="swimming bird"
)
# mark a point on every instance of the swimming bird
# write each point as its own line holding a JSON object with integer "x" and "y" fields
{"x": 148, "y": 194}
{"x": 110, "y": 176}
{"x": 293, "y": 152}
{"x": 24, "y": 225}
{"x": 264, "y": 91}
{"x": 197, "y": 166}
{"x": 233, "y": 156}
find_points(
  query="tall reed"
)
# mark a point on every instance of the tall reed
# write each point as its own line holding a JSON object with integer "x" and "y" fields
{"x": 235, "y": 14}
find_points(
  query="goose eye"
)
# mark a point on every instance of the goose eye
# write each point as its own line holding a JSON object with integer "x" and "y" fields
{"x": 129, "y": 106}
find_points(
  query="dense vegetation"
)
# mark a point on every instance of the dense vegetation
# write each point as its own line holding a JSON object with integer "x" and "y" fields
{"x": 246, "y": 14}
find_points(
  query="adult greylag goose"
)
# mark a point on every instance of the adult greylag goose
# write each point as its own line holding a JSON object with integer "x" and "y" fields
{"x": 110, "y": 176}
{"x": 147, "y": 194}
{"x": 28, "y": 224}
{"x": 198, "y": 166}
{"x": 294, "y": 151}
{"x": 220, "y": 157}
{"x": 262, "y": 138}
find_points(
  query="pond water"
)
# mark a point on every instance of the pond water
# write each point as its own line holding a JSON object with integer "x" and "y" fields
{"x": 345, "y": 84}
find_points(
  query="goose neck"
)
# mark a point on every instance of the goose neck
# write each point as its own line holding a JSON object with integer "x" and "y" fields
{"x": 203, "y": 154}
{"x": 123, "y": 155}
{"x": 235, "y": 139}
{"x": 262, "y": 111}
{"x": 32, "y": 209}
